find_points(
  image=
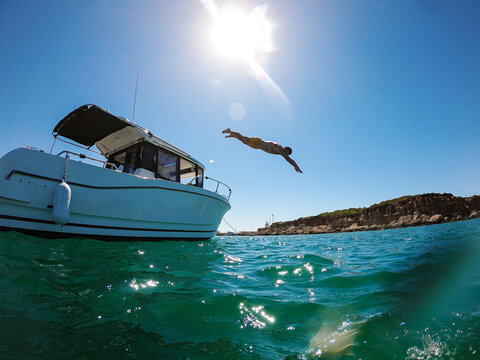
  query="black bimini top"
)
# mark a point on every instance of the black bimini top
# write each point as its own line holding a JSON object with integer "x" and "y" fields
{"x": 89, "y": 124}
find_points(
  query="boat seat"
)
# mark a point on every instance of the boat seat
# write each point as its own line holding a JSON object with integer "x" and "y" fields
{"x": 141, "y": 172}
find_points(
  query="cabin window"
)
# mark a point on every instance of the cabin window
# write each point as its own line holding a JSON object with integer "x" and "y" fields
{"x": 148, "y": 157}
{"x": 187, "y": 171}
{"x": 131, "y": 159}
{"x": 200, "y": 177}
{"x": 118, "y": 160}
{"x": 190, "y": 171}
{"x": 159, "y": 162}
{"x": 168, "y": 166}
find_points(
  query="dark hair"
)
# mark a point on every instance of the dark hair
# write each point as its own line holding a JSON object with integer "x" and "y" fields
{"x": 289, "y": 150}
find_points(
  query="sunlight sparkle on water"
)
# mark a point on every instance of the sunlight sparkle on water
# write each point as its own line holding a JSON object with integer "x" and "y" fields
{"x": 150, "y": 283}
{"x": 250, "y": 317}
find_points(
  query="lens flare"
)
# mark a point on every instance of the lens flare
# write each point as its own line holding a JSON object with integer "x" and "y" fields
{"x": 243, "y": 35}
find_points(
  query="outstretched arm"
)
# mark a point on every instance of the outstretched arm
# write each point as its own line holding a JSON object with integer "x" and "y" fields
{"x": 293, "y": 163}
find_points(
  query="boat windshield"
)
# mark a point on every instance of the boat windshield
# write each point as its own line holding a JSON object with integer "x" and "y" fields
{"x": 147, "y": 160}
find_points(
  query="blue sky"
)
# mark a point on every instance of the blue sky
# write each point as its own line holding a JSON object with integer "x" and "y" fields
{"x": 383, "y": 95}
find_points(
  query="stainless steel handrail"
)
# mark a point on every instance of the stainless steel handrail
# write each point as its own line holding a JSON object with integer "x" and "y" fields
{"x": 73, "y": 144}
{"x": 83, "y": 156}
{"x": 215, "y": 180}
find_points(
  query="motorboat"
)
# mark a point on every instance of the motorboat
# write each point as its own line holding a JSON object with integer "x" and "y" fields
{"x": 132, "y": 186}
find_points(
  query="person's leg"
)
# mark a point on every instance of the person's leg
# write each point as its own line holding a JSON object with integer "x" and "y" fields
{"x": 236, "y": 135}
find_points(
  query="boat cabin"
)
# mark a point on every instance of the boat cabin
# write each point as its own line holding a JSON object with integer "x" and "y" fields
{"x": 148, "y": 160}
{"x": 129, "y": 148}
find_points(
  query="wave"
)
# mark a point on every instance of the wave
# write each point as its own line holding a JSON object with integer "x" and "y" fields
{"x": 395, "y": 294}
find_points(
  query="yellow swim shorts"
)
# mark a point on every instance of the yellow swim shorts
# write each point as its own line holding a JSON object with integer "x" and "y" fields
{"x": 253, "y": 142}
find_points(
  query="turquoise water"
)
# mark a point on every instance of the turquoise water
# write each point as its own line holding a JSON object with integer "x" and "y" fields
{"x": 399, "y": 294}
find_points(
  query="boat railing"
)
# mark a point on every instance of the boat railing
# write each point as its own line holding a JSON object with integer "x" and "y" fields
{"x": 218, "y": 183}
{"x": 57, "y": 137}
{"x": 106, "y": 164}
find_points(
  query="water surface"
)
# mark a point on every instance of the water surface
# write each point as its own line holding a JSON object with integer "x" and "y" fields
{"x": 409, "y": 293}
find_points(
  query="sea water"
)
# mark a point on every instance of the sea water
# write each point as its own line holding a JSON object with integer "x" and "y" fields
{"x": 409, "y": 293}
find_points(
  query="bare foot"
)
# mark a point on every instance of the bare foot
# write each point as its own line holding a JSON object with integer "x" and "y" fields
{"x": 226, "y": 131}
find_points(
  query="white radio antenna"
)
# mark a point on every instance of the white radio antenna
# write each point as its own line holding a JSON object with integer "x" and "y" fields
{"x": 135, "y": 99}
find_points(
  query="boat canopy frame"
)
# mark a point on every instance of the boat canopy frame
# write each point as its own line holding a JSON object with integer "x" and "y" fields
{"x": 91, "y": 125}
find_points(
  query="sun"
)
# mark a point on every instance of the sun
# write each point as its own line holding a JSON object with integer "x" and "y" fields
{"x": 239, "y": 34}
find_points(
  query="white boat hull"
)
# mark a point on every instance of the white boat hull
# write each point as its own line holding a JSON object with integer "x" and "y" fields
{"x": 105, "y": 204}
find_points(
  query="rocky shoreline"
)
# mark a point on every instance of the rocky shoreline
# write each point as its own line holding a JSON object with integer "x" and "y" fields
{"x": 405, "y": 211}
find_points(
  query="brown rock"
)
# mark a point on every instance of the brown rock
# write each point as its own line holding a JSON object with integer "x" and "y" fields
{"x": 401, "y": 212}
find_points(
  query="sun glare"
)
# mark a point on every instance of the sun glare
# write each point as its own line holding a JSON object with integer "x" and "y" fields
{"x": 239, "y": 34}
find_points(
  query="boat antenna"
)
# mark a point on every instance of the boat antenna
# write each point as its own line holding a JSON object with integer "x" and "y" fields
{"x": 135, "y": 98}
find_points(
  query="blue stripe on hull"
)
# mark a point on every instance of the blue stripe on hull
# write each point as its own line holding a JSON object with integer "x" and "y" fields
{"x": 58, "y": 235}
{"x": 181, "y": 233}
{"x": 16, "y": 218}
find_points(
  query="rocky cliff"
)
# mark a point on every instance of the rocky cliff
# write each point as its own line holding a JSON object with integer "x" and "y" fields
{"x": 401, "y": 212}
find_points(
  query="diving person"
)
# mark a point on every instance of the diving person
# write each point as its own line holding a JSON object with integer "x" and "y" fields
{"x": 270, "y": 147}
